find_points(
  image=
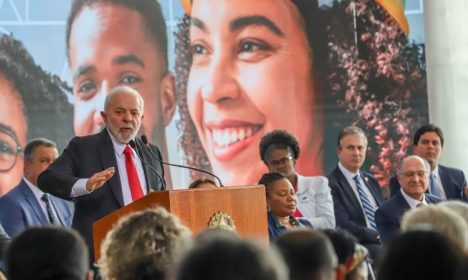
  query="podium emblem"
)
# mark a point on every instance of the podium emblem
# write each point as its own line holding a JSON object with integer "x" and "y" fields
{"x": 222, "y": 220}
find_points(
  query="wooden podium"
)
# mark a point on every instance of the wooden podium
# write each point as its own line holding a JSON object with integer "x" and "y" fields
{"x": 196, "y": 208}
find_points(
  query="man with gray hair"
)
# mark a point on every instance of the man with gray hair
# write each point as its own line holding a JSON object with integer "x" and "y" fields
{"x": 413, "y": 175}
{"x": 26, "y": 205}
{"x": 108, "y": 170}
{"x": 356, "y": 194}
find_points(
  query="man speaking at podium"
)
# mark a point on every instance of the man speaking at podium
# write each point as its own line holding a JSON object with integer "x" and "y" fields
{"x": 102, "y": 172}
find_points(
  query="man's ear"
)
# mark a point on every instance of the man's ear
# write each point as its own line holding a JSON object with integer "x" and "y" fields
{"x": 168, "y": 103}
{"x": 104, "y": 116}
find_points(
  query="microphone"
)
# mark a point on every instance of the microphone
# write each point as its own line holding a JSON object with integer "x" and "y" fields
{"x": 146, "y": 143}
{"x": 134, "y": 146}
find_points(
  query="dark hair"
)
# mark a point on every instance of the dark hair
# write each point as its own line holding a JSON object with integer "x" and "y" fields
{"x": 428, "y": 128}
{"x": 189, "y": 140}
{"x": 47, "y": 253}
{"x": 269, "y": 178}
{"x": 225, "y": 256}
{"x": 343, "y": 242}
{"x": 307, "y": 253}
{"x": 195, "y": 184}
{"x": 44, "y": 97}
{"x": 377, "y": 80}
{"x": 279, "y": 139}
{"x": 422, "y": 254}
{"x": 33, "y": 144}
{"x": 150, "y": 11}
{"x": 351, "y": 130}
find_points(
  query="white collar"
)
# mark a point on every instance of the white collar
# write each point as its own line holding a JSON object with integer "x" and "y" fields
{"x": 36, "y": 191}
{"x": 411, "y": 201}
{"x": 348, "y": 174}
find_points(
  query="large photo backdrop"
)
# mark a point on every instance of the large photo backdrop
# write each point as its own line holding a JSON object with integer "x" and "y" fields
{"x": 215, "y": 75}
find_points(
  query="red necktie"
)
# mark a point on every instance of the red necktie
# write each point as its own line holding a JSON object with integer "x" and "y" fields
{"x": 133, "y": 181}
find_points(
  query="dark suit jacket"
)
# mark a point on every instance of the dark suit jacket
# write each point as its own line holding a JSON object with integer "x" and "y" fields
{"x": 388, "y": 216}
{"x": 453, "y": 181}
{"x": 348, "y": 210}
{"x": 19, "y": 209}
{"x": 4, "y": 241}
{"x": 83, "y": 157}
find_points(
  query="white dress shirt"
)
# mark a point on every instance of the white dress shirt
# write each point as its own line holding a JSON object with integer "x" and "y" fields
{"x": 79, "y": 188}
{"x": 350, "y": 178}
{"x": 38, "y": 195}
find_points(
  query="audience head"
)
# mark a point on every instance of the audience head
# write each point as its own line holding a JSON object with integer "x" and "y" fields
{"x": 38, "y": 155}
{"x": 48, "y": 253}
{"x": 352, "y": 256}
{"x": 422, "y": 254}
{"x": 221, "y": 254}
{"x": 461, "y": 208}
{"x": 413, "y": 175}
{"x": 280, "y": 196}
{"x": 352, "y": 145}
{"x": 143, "y": 245}
{"x": 308, "y": 254}
{"x": 203, "y": 184}
{"x": 279, "y": 150}
{"x": 428, "y": 142}
{"x": 440, "y": 219}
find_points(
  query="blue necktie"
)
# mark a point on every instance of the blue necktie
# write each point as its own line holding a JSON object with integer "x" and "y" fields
{"x": 435, "y": 188}
{"x": 366, "y": 203}
{"x": 53, "y": 219}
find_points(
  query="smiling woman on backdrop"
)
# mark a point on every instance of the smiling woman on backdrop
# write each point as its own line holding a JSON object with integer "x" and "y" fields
{"x": 252, "y": 71}
{"x": 33, "y": 105}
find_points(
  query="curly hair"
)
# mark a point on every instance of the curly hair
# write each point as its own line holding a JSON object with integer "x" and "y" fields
{"x": 189, "y": 142}
{"x": 279, "y": 139}
{"x": 44, "y": 96}
{"x": 376, "y": 80}
{"x": 143, "y": 245}
{"x": 268, "y": 178}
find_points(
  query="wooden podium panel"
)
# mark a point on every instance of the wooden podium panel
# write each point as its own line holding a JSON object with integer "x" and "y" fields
{"x": 195, "y": 208}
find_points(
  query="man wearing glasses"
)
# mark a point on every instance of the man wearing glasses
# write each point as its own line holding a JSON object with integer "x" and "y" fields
{"x": 413, "y": 175}
{"x": 446, "y": 183}
{"x": 26, "y": 205}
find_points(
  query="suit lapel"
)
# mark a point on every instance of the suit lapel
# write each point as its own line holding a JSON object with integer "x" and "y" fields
{"x": 371, "y": 189}
{"x": 150, "y": 177}
{"x": 349, "y": 192}
{"x": 444, "y": 178}
{"x": 33, "y": 203}
{"x": 402, "y": 206}
{"x": 59, "y": 209}
{"x": 107, "y": 155}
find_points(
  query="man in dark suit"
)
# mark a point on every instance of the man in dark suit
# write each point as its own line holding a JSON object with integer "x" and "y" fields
{"x": 26, "y": 205}
{"x": 413, "y": 175}
{"x": 4, "y": 241}
{"x": 102, "y": 172}
{"x": 356, "y": 195}
{"x": 444, "y": 182}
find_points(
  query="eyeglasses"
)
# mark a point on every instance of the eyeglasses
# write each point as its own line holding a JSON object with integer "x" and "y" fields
{"x": 281, "y": 161}
{"x": 10, "y": 148}
{"x": 419, "y": 174}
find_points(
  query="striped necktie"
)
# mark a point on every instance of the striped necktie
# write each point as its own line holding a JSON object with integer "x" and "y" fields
{"x": 434, "y": 188}
{"x": 53, "y": 219}
{"x": 366, "y": 203}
